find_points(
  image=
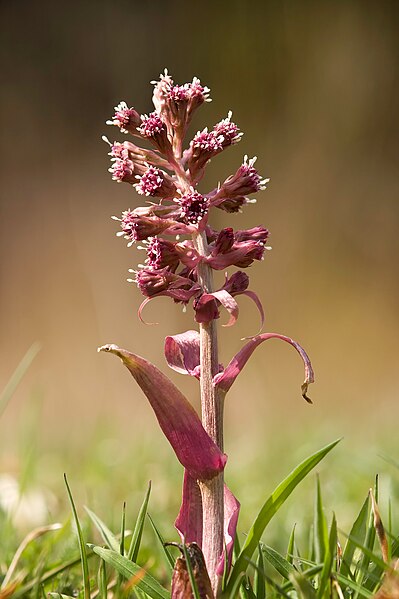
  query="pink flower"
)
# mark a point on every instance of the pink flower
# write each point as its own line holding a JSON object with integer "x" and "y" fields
{"x": 154, "y": 128}
{"x": 177, "y": 103}
{"x": 155, "y": 183}
{"x": 228, "y": 131}
{"x": 136, "y": 227}
{"x": 162, "y": 253}
{"x": 122, "y": 170}
{"x": 194, "y": 207}
{"x": 127, "y": 119}
{"x": 207, "y": 144}
{"x": 231, "y": 195}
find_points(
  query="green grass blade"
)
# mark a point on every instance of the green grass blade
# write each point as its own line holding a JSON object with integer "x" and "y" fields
{"x": 193, "y": 582}
{"x": 302, "y": 586}
{"x": 309, "y": 573}
{"x": 138, "y": 529}
{"x": 246, "y": 591}
{"x": 320, "y": 529}
{"x": 358, "y": 532}
{"x": 370, "y": 555}
{"x": 60, "y": 596}
{"x": 107, "y": 536}
{"x": 271, "y": 506}
{"x": 123, "y": 529}
{"x": 369, "y": 541}
{"x": 17, "y": 376}
{"x": 168, "y": 556}
{"x": 323, "y": 591}
{"x": 82, "y": 545}
{"x": 281, "y": 592}
{"x": 354, "y": 586}
{"x": 235, "y": 588}
{"x": 278, "y": 562}
{"x": 129, "y": 569}
{"x": 259, "y": 576}
{"x": 48, "y": 576}
{"x": 289, "y": 556}
{"x": 102, "y": 581}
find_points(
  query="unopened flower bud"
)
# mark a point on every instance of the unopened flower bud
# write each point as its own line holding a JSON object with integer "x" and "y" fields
{"x": 237, "y": 283}
{"x": 127, "y": 119}
{"x": 255, "y": 234}
{"x": 224, "y": 241}
{"x": 237, "y": 249}
{"x": 153, "y": 282}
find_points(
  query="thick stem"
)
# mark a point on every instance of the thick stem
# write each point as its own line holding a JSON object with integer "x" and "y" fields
{"x": 212, "y": 419}
{"x": 212, "y": 403}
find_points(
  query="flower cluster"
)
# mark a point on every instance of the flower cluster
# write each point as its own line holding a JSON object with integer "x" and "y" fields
{"x": 182, "y": 252}
{"x": 171, "y": 174}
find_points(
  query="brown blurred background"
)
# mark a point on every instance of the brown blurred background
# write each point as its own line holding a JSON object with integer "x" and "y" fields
{"x": 313, "y": 85}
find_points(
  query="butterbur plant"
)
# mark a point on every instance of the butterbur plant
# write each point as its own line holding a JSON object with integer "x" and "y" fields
{"x": 182, "y": 252}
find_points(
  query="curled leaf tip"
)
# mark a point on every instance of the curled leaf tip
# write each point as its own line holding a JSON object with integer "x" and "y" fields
{"x": 110, "y": 347}
{"x": 304, "y": 389}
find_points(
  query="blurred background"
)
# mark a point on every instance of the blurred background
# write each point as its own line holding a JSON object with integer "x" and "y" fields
{"x": 313, "y": 85}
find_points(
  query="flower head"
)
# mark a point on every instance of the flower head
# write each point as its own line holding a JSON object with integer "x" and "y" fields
{"x": 194, "y": 207}
{"x": 228, "y": 131}
{"x": 122, "y": 170}
{"x": 177, "y": 103}
{"x": 127, "y": 119}
{"x": 162, "y": 253}
{"x": 136, "y": 227}
{"x": 231, "y": 195}
{"x": 155, "y": 183}
{"x": 207, "y": 144}
{"x": 154, "y": 129}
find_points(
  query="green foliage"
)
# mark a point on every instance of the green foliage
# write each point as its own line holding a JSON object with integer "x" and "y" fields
{"x": 271, "y": 506}
{"x": 133, "y": 563}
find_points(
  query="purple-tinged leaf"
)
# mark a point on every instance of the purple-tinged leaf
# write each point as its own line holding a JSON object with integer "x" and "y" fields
{"x": 254, "y": 297}
{"x": 189, "y": 521}
{"x": 231, "y": 513}
{"x": 182, "y": 353}
{"x": 225, "y": 379}
{"x": 176, "y": 416}
{"x": 204, "y": 314}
